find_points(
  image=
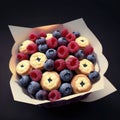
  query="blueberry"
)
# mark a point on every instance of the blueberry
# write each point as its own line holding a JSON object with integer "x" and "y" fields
{"x": 41, "y": 95}
{"x": 94, "y": 76}
{"x": 62, "y": 41}
{"x": 56, "y": 34}
{"x": 42, "y": 48}
{"x": 33, "y": 87}
{"x": 92, "y": 58}
{"x": 49, "y": 64}
{"x": 41, "y": 40}
{"x": 24, "y": 81}
{"x": 51, "y": 53}
{"x": 66, "y": 75}
{"x": 77, "y": 34}
{"x": 79, "y": 54}
{"x": 65, "y": 89}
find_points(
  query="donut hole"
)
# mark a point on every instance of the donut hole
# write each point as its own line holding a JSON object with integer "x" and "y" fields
{"x": 82, "y": 83}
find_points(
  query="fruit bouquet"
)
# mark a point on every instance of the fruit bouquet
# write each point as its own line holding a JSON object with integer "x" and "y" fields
{"x": 58, "y": 64}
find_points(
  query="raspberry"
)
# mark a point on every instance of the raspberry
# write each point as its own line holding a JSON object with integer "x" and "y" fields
{"x": 72, "y": 63}
{"x": 42, "y": 34}
{"x": 33, "y": 37}
{"x": 73, "y": 47}
{"x": 70, "y": 37}
{"x": 64, "y": 32}
{"x": 54, "y": 95}
{"x": 60, "y": 64}
{"x": 88, "y": 50}
{"x": 62, "y": 51}
{"x": 35, "y": 75}
{"x": 22, "y": 56}
{"x": 52, "y": 42}
{"x": 32, "y": 48}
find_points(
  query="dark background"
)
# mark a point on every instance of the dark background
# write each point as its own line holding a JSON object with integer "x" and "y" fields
{"x": 102, "y": 17}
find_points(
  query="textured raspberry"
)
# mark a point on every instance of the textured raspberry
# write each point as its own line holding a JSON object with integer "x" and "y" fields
{"x": 73, "y": 47}
{"x": 52, "y": 42}
{"x": 31, "y": 48}
{"x": 64, "y": 32}
{"x": 42, "y": 34}
{"x": 33, "y": 37}
{"x": 62, "y": 52}
{"x": 35, "y": 75}
{"x": 60, "y": 64}
{"x": 72, "y": 63}
{"x": 70, "y": 37}
{"x": 54, "y": 95}
{"x": 88, "y": 50}
{"x": 22, "y": 56}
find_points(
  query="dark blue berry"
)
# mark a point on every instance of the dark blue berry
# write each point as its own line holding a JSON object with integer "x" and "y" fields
{"x": 94, "y": 76}
{"x": 79, "y": 54}
{"x": 66, "y": 75}
{"x": 49, "y": 64}
{"x": 57, "y": 34}
{"x": 77, "y": 34}
{"x": 41, "y": 95}
{"x": 62, "y": 41}
{"x": 41, "y": 40}
{"x": 24, "y": 81}
{"x": 51, "y": 53}
{"x": 92, "y": 58}
{"x": 33, "y": 87}
{"x": 65, "y": 89}
{"x": 42, "y": 48}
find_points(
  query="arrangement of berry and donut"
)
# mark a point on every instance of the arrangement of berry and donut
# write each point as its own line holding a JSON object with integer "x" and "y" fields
{"x": 54, "y": 65}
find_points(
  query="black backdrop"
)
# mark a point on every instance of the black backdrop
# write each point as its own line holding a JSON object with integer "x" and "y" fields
{"x": 101, "y": 16}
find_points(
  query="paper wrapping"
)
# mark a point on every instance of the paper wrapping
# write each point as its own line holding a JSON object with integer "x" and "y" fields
{"x": 99, "y": 90}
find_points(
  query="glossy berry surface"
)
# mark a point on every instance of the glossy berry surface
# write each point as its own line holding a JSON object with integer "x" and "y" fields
{"x": 24, "y": 81}
{"x": 62, "y": 41}
{"x": 56, "y": 34}
{"x": 92, "y": 58}
{"x": 66, "y": 75}
{"x": 41, "y": 40}
{"x": 94, "y": 76}
{"x": 41, "y": 95}
{"x": 77, "y": 34}
{"x": 65, "y": 89}
{"x": 79, "y": 54}
{"x": 33, "y": 87}
{"x": 49, "y": 64}
{"x": 54, "y": 95}
{"x": 35, "y": 74}
{"x": 42, "y": 48}
{"x": 51, "y": 53}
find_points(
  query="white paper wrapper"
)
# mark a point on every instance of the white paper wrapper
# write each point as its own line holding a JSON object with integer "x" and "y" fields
{"x": 99, "y": 90}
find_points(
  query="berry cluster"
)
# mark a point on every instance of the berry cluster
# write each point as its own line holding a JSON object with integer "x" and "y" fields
{"x": 63, "y": 56}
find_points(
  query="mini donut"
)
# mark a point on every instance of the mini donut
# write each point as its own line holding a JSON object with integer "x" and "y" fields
{"x": 50, "y": 80}
{"x": 80, "y": 83}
